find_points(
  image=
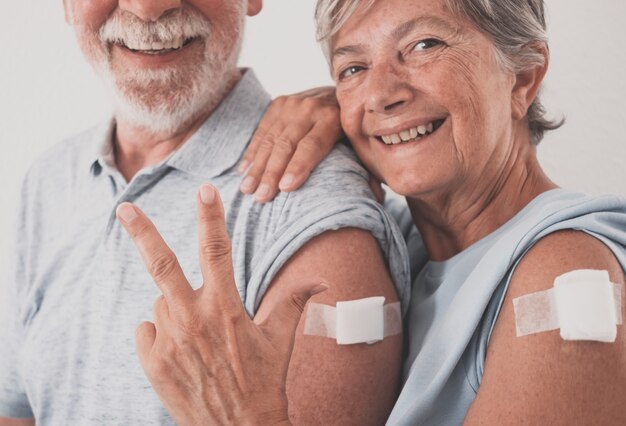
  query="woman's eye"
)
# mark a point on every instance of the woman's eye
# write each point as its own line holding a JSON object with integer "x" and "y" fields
{"x": 349, "y": 72}
{"x": 429, "y": 43}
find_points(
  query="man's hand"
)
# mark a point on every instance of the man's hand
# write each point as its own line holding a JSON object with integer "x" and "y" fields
{"x": 208, "y": 362}
{"x": 296, "y": 133}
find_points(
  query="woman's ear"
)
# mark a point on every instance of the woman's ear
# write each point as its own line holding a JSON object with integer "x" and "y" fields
{"x": 528, "y": 82}
{"x": 254, "y": 7}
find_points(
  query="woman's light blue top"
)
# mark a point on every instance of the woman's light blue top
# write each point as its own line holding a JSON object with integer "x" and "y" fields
{"x": 455, "y": 303}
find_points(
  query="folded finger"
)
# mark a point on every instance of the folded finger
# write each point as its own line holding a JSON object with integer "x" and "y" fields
{"x": 263, "y": 152}
{"x": 284, "y": 148}
{"x": 272, "y": 117}
{"x": 144, "y": 341}
{"x": 281, "y": 324}
{"x": 252, "y": 149}
{"x": 315, "y": 146}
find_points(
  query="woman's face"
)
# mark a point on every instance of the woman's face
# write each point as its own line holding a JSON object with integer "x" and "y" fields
{"x": 423, "y": 99}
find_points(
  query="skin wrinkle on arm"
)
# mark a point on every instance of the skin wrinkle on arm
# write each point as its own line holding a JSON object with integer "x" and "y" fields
{"x": 541, "y": 378}
{"x": 338, "y": 384}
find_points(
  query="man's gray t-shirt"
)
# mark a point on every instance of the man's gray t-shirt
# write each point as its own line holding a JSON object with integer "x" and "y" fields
{"x": 79, "y": 289}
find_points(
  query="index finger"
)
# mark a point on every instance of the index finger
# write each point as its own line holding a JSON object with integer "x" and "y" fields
{"x": 159, "y": 259}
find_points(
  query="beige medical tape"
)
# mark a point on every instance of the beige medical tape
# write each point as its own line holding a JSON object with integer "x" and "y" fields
{"x": 356, "y": 321}
{"x": 584, "y": 304}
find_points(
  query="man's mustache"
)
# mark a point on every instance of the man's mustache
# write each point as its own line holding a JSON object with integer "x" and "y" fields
{"x": 170, "y": 31}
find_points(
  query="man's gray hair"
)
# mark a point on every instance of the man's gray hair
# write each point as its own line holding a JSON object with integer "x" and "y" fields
{"x": 516, "y": 27}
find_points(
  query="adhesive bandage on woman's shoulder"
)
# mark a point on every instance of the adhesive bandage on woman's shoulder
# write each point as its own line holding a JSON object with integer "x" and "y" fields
{"x": 584, "y": 304}
{"x": 356, "y": 321}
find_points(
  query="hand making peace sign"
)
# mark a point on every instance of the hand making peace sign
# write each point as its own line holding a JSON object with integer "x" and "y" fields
{"x": 206, "y": 359}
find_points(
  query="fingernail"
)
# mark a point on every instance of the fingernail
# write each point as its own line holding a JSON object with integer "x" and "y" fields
{"x": 263, "y": 191}
{"x": 243, "y": 166}
{"x": 207, "y": 194}
{"x": 127, "y": 212}
{"x": 318, "y": 289}
{"x": 247, "y": 184}
{"x": 286, "y": 181}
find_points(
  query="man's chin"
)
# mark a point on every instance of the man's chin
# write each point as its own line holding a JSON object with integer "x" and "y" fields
{"x": 168, "y": 100}
{"x": 159, "y": 105}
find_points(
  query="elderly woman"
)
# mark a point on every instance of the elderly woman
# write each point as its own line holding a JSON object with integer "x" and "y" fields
{"x": 439, "y": 100}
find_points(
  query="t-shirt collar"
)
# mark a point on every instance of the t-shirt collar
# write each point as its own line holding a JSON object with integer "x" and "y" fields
{"x": 220, "y": 142}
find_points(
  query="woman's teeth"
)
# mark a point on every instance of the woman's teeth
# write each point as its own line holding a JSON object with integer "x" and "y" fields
{"x": 412, "y": 134}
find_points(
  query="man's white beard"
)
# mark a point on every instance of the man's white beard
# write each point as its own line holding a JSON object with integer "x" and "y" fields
{"x": 169, "y": 110}
{"x": 168, "y": 99}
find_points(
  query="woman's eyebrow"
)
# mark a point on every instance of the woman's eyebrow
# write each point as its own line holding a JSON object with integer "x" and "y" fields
{"x": 400, "y": 32}
{"x": 423, "y": 21}
{"x": 353, "y": 49}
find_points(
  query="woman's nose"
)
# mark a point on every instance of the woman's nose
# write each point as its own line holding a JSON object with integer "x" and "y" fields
{"x": 149, "y": 10}
{"x": 388, "y": 90}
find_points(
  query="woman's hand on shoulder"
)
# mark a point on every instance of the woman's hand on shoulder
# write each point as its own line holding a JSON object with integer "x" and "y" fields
{"x": 295, "y": 135}
{"x": 541, "y": 378}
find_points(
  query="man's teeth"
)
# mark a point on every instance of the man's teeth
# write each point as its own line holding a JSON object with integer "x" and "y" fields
{"x": 154, "y": 47}
{"x": 414, "y": 133}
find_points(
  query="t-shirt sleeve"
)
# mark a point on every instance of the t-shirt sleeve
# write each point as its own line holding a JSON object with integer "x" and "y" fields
{"x": 13, "y": 400}
{"x": 336, "y": 196}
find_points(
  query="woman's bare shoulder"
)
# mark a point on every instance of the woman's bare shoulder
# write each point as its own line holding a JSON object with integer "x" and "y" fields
{"x": 542, "y": 378}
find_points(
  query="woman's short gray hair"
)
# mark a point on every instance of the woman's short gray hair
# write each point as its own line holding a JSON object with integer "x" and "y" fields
{"x": 516, "y": 27}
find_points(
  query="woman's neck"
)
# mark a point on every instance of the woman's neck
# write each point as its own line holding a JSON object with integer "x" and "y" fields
{"x": 451, "y": 222}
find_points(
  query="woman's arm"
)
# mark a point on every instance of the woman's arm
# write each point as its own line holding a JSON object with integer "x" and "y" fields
{"x": 541, "y": 378}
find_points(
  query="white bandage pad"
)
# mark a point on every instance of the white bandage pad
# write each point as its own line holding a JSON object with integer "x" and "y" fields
{"x": 584, "y": 304}
{"x": 357, "y": 321}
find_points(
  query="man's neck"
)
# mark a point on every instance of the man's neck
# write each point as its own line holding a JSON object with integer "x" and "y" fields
{"x": 137, "y": 148}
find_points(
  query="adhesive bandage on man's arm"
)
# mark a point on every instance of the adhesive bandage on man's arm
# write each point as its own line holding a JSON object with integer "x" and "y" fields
{"x": 583, "y": 304}
{"x": 357, "y": 321}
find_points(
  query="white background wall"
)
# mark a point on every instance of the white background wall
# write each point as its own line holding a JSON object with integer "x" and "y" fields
{"x": 47, "y": 92}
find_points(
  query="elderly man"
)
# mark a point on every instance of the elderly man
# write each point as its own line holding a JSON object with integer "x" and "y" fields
{"x": 184, "y": 115}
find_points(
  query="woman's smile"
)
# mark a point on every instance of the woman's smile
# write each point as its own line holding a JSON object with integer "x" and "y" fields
{"x": 423, "y": 97}
{"x": 411, "y": 134}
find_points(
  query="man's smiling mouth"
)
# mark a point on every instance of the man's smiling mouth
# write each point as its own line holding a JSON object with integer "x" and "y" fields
{"x": 156, "y": 48}
{"x": 411, "y": 134}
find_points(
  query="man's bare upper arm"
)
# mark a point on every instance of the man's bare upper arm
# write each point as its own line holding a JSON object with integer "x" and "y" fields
{"x": 328, "y": 383}
{"x": 541, "y": 378}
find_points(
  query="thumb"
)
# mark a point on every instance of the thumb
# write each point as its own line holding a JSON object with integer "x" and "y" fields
{"x": 281, "y": 324}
